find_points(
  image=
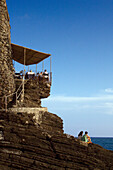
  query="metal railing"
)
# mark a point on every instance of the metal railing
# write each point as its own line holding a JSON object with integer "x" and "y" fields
{"x": 20, "y": 91}
{"x": 5, "y": 98}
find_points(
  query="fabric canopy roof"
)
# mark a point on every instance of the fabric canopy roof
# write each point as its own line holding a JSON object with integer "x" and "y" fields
{"x": 31, "y": 57}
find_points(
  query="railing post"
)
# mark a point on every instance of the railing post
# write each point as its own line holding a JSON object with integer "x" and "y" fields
{"x": 16, "y": 98}
{"x": 23, "y": 89}
{"x": 6, "y": 103}
{"x": 51, "y": 78}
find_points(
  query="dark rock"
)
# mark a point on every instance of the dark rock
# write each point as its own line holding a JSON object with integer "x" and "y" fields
{"x": 7, "y": 85}
{"x": 36, "y": 140}
{"x": 34, "y": 92}
{"x": 44, "y": 146}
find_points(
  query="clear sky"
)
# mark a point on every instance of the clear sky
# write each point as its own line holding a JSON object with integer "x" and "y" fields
{"x": 79, "y": 35}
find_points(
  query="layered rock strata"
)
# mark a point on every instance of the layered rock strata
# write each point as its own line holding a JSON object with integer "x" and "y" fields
{"x": 31, "y": 141}
{"x": 7, "y": 85}
{"x": 35, "y": 90}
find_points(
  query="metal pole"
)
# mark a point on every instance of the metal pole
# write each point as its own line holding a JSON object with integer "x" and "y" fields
{"x": 16, "y": 99}
{"x": 24, "y": 70}
{"x": 51, "y": 70}
{"x": 43, "y": 66}
{"x": 36, "y": 69}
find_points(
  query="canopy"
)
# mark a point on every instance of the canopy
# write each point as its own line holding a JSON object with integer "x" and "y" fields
{"x": 27, "y": 56}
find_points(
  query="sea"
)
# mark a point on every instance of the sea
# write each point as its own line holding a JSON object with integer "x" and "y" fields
{"x": 105, "y": 142}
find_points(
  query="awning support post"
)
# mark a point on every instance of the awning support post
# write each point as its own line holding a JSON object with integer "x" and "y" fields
{"x": 24, "y": 70}
{"x": 51, "y": 70}
{"x": 43, "y": 66}
{"x": 36, "y": 69}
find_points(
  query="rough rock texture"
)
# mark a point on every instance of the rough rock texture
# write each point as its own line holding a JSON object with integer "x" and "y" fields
{"x": 7, "y": 85}
{"x": 34, "y": 91}
{"x": 29, "y": 143}
{"x": 36, "y": 140}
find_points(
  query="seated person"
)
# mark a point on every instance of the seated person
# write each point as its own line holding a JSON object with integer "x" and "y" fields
{"x": 26, "y": 75}
{"x": 80, "y": 135}
{"x": 89, "y": 139}
{"x": 46, "y": 75}
{"x": 31, "y": 74}
{"x": 86, "y": 138}
{"x": 40, "y": 76}
{"x": 37, "y": 74}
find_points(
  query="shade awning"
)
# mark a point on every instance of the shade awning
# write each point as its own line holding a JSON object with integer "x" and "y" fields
{"x": 31, "y": 57}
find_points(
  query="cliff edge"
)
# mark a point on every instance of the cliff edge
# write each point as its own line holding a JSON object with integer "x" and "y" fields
{"x": 31, "y": 138}
{"x": 36, "y": 141}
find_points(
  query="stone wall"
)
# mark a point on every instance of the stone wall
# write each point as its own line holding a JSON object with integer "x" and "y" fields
{"x": 7, "y": 85}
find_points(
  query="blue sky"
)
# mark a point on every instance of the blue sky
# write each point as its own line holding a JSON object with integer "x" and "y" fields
{"x": 79, "y": 35}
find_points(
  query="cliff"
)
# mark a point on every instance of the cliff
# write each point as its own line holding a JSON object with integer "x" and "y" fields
{"x": 35, "y": 90}
{"x": 30, "y": 136}
{"x": 36, "y": 141}
{"x": 7, "y": 84}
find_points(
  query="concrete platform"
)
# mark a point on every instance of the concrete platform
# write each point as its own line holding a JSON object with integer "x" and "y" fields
{"x": 28, "y": 109}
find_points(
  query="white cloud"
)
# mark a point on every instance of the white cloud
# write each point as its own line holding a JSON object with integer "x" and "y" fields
{"x": 95, "y": 104}
{"x": 91, "y": 113}
{"x": 109, "y": 90}
{"x": 80, "y": 99}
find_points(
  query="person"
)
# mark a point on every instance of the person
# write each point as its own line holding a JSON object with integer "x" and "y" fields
{"x": 80, "y": 135}
{"x": 40, "y": 76}
{"x": 37, "y": 74}
{"x": 45, "y": 74}
{"x": 26, "y": 75}
{"x": 30, "y": 74}
{"x": 21, "y": 74}
{"x": 86, "y": 138}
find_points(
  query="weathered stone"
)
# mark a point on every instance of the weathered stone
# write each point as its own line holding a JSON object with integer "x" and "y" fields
{"x": 34, "y": 139}
{"x": 29, "y": 146}
{"x": 34, "y": 92}
{"x": 6, "y": 66}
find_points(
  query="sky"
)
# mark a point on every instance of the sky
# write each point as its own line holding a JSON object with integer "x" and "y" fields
{"x": 79, "y": 36}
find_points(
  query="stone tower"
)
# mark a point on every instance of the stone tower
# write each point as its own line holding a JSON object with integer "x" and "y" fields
{"x": 7, "y": 85}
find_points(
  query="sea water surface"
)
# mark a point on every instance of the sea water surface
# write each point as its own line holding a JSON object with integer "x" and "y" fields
{"x": 105, "y": 142}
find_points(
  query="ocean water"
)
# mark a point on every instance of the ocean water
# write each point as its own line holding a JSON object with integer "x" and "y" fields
{"x": 105, "y": 142}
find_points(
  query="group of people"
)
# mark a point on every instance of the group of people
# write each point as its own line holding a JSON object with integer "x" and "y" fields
{"x": 30, "y": 75}
{"x": 41, "y": 76}
{"x": 84, "y": 137}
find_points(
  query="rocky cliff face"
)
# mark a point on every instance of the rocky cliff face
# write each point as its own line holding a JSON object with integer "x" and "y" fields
{"x": 35, "y": 90}
{"x": 7, "y": 85}
{"x": 36, "y": 141}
